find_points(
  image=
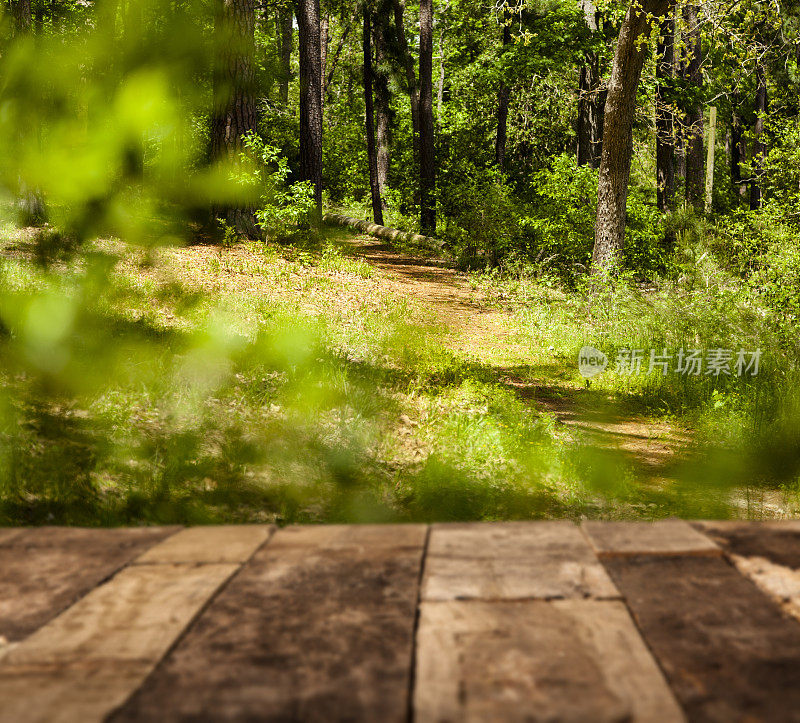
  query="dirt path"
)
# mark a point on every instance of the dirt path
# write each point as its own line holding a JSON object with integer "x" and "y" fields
{"x": 490, "y": 335}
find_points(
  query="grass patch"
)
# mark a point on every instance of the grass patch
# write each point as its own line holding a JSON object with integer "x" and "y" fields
{"x": 266, "y": 382}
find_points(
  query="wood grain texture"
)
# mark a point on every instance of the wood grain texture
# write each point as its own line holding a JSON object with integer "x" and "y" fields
{"x": 781, "y": 583}
{"x": 663, "y": 537}
{"x": 317, "y": 626}
{"x": 44, "y": 570}
{"x": 7, "y": 534}
{"x": 135, "y": 616}
{"x": 776, "y": 541}
{"x": 89, "y": 660}
{"x": 79, "y": 693}
{"x": 223, "y": 544}
{"x": 567, "y": 660}
{"x": 729, "y": 653}
{"x": 766, "y": 552}
{"x": 629, "y": 669}
{"x": 512, "y": 561}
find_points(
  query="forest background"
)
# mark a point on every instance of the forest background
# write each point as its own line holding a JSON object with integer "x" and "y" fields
{"x": 612, "y": 175}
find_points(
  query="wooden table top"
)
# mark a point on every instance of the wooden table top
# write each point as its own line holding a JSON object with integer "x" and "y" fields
{"x": 507, "y": 621}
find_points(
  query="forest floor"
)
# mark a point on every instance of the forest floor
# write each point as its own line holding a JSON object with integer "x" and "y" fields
{"x": 450, "y": 396}
{"x": 478, "y": 327}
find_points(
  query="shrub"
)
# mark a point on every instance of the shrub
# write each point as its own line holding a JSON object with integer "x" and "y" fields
{"x": 284, "y": 207}
{"x": 561, "y": 223}
{"x": 481, "y": 216}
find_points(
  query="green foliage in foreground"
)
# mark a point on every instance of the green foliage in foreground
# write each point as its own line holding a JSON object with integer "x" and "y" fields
{"x": 128, "y": 396}
{"x": 125, "y": 400}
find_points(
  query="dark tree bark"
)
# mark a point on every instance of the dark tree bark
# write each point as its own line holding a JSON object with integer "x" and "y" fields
{"x": 590, "y": 99}
{"x": 234, "y": 87}
{"x": 372, "y": 157}
{"x": 503, "y": 95}
{"x": 411, "y": 76}
{"x": 382, "y": 108}
{"x": 310, "y": 99}
{"x": 759, "y": 147}
{"x": 615, "y": 163}
{"x": 738, "y": 152}
{"x": 427, "y": 156}
{"x": 23, "y": 19}
{"x": 590, "y": 135}
{"x": 695, "y": 157}
{"x": 324, "y": 42}
{"x": 31, "y": 206}
{"x": 286, "y": 37}
{"x": 665, "y": 121}
{"x": 328, "y": 79}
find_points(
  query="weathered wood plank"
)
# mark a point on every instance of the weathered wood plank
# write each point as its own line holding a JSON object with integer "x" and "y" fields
{"x": 566, "y": 660}
{"x": 7, "y": 534}
{"x": 90, "y": 659}
{"x": 44, "y": 570}
{"x": 778, "y": 541}
{"x": 135, "y": 616}
{"x": 317, "y": 626}
{"x": 226, "y": 543}
{"x": 79, "y": 693}
{"x": 629, "y": 668}
{"x": 662, "y": 537}
{"x": 766, "y": 552}
{"x": 781, "y": 583}
{"x": 727, "y": 650}
{"x": 512, "y": 561}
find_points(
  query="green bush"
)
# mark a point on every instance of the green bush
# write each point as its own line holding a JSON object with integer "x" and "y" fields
{"x": 284, "y": 207}
{"x": 763, "y": 249}
{"x": 560, "y": 225}
{"x": 481, "y": 217}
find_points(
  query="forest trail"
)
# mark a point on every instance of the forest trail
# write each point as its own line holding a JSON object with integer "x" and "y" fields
{"x": 476, "y": 328}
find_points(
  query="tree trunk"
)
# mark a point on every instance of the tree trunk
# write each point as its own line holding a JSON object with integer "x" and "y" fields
{"x": 680, "y": 152}
{"x": 31, "y": 206}
{"x": 665, "y": 121}
{"x": 382, "y": 109}
{"x": 324, "y": 42}
{"x": 427, "y": 157}
{"x": 234, "y": 88}
{"x": 23, "y": 19}
{"x": 440, "y": 90}
{"x": 738, "y": 153}
{"x": 286, "y": 43}
{"x": 328, "y": 79}
{"x": 695, "y": 161}
{"x": 759, "y": 147}
{"x": 615, "y": 163}
{"x": 310, "y": 99}
{"x": 502, "y": 102}
{"x": 372, "y": 159}
{"x": 590, "y": 136}
{"x": 712, "y": 146}
{"x": 411, "y": 76}
{"x": 590, "y": 99}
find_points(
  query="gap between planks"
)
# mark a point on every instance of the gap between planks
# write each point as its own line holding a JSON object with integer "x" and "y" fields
{"x": 90, "y": 659}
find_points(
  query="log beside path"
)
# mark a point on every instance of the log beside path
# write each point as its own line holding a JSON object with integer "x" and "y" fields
{"x": 507, "y": 621}
{"x": 383, "y": 232}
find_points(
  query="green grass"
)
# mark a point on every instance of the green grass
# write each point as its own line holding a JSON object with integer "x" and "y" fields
{"x": 280, "y": 383}
{"x": 745, "y": 429}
